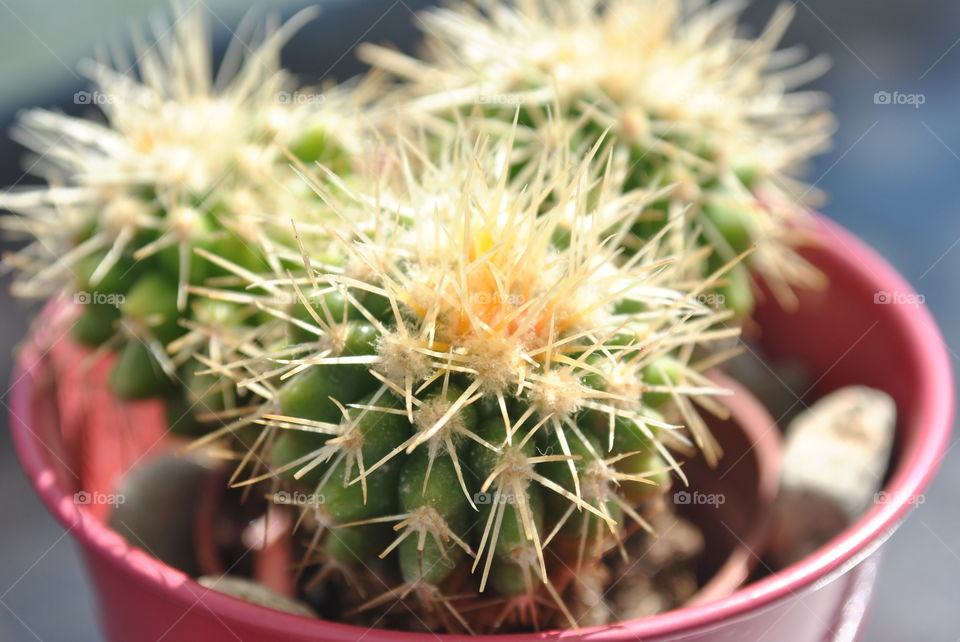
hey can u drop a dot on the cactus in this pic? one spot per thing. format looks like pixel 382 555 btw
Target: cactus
pixel 687 102
pixel 489 392
pixel 184 178
pixel 470 345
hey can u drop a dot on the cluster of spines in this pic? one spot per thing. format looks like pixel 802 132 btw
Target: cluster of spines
pixel 187 173
pixel 483 385
pixel 683 99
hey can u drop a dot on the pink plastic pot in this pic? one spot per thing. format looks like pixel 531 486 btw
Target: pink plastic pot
pixel 841 334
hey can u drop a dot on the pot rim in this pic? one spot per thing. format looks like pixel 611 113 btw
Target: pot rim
pixel 911 477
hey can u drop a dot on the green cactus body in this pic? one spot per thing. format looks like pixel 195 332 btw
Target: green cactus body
pixel 486 397
pixel 137 373
pixel 96 323
pixel 437 515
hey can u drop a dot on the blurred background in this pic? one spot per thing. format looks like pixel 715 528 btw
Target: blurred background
pixel 892 178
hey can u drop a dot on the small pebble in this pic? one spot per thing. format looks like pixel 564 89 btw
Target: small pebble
pixel 835 457
pixel 245 589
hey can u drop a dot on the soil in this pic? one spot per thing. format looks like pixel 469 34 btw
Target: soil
pixel 652 574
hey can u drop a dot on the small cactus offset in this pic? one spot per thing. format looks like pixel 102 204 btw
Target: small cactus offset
pixel 498 398
pixel 687 103
pixel 188 173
